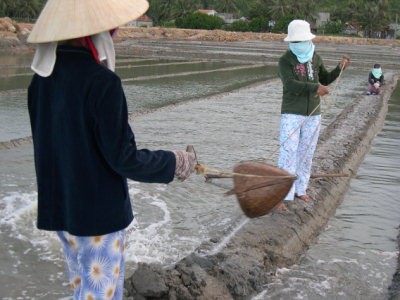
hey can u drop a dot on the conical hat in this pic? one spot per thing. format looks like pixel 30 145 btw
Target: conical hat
pixel 68 19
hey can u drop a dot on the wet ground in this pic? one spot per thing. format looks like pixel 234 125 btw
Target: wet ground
pixel 172 221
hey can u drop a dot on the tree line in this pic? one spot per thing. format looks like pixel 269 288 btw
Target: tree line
pixel 21 9
pixel 372 15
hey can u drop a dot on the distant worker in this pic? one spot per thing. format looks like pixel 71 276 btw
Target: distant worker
pixel 304 79
pixel 375 80
pixel 84 147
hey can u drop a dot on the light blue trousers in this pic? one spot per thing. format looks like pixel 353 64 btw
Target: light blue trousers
pixel 298 139
pixel 95 265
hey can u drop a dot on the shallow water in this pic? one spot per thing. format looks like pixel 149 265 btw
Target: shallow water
pixel 356 256
pixel 141 94
pixel 171 221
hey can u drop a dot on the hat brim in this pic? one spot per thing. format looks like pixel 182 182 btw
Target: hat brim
pixel 302 38
pixel 68 19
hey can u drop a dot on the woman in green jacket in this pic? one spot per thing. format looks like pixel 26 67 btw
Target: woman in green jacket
pixel 304 79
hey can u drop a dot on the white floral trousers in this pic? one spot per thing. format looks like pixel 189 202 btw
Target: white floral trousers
pixel 298 139
pixel 95 265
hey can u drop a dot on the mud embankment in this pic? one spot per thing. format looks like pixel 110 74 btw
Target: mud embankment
pixel 13 34
pixel 175 34
pixel 394 289
pixel 239 267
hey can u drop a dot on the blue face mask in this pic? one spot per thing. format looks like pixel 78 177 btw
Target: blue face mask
pixel 304 51
pixel 377 72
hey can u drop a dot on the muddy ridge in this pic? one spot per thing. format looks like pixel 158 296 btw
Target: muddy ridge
pixel 239 267
pixel 14 35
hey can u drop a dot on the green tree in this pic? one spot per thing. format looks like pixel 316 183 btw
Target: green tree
pixel 258 10
pixel 205 4
pixel 5 7
pixel 243 7
pixel 306 8
pixel 374 17
pixel 160 11
pixel 240 25
pixel 226 6
pixel 259 24
pixel 199 21
pixel 279 8
pixel 182 8
pixel 333 27
pixel 282 23
pixel 27 9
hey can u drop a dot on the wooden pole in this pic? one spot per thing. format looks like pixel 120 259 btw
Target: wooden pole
pixel 220 176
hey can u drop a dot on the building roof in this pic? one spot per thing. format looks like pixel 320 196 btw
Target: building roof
pixel 144 18
pixel 206 11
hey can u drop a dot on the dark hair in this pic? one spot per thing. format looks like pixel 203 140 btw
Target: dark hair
pixel 377 66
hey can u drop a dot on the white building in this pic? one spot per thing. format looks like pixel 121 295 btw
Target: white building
pixel 209 12
pixel 143 21
pixel 322 18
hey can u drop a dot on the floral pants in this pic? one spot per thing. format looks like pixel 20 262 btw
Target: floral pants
pixel 95 265
pixel 298 139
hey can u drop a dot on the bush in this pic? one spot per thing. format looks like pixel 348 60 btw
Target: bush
pixel 282 24
pixel 199 21
pixel 169 24
pixel 333 27
pixel 259 24
pixel 240 25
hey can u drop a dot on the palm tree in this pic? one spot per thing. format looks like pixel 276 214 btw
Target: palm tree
pixel 305 9
pixel 226 6
pixel 7 7
pixel 27 8
pixel 374 18
pixel 279 8
pixel 160 10
pixel 182 8
pixel 205 4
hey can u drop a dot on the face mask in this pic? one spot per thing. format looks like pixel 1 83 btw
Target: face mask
pixel 377 72
pixel 304 51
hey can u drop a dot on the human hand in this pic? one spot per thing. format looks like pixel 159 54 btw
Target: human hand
pixel 185 163
pixel 322 90
pixel 376 85
pixel 345 62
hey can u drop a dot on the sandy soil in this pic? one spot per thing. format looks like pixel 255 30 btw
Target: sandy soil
pixel 13 35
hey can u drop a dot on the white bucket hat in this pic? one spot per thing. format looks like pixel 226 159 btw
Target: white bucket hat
pixel 299 31
pixel 68 19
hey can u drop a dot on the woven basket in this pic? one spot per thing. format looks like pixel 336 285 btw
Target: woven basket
pixel 257 196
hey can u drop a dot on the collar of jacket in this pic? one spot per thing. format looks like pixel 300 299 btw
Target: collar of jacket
pixel 66 49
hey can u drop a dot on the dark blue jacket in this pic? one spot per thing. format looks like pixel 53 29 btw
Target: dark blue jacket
pixel 85 149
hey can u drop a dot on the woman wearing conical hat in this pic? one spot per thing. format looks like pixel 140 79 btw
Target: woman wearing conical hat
pixel 84 147
pixel 304 79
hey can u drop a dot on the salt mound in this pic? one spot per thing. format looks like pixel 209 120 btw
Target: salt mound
pixel 11 33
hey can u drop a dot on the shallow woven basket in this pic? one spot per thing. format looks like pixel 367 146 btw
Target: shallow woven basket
pixel 257 196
